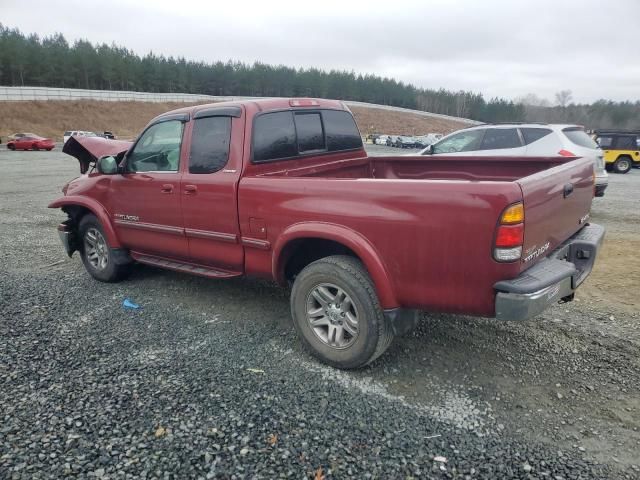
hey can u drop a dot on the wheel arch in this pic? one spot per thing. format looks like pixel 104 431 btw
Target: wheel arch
pixel 77 207
pixel 333 240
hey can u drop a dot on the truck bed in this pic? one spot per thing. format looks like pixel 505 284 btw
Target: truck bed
pixel 432 220
pixel 505 169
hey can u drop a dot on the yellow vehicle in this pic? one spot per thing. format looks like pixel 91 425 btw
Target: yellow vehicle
pixel 621 149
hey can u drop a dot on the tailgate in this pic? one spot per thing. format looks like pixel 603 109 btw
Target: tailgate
pixel 556 204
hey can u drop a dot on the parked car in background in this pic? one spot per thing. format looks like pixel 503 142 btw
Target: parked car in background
pixel 108 135
pixel 73 133
pixel 391 140
pixel 31 142
pixel 16 136
pixel 428 139
pixel 621 149
pixel 381 140
pixel 524 140
pixel 405 141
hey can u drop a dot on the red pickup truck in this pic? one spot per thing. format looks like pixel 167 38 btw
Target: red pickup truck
pixel 283 189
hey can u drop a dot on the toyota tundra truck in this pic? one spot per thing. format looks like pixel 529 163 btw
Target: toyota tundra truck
pixel 282 189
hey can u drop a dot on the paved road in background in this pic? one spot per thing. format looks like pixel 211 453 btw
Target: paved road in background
pixel 207 380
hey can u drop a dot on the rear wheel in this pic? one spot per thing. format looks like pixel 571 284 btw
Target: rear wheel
pixel 337 314
pixel 11 147
pixel 96 254
pixel 622 164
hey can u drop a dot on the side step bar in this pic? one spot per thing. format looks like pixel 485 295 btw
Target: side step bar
pixel 185 267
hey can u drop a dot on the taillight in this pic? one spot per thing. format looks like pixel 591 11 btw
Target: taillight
pixel 566 153
pixel 510 234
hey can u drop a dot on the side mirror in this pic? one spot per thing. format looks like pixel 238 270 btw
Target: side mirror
pixel 107 165
pixel 429 150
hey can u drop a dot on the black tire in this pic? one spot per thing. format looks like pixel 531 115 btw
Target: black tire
pixel 110 271
pixel 622 164
pixel 34 147
pixel 11 147
pixel 348 274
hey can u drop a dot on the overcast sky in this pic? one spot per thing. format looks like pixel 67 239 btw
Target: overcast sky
pixel 499 48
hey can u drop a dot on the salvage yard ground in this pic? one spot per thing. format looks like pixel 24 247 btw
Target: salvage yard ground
pixel 208 379
pixel 126 119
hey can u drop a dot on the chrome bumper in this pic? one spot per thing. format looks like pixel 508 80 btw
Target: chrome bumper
pixel 553 279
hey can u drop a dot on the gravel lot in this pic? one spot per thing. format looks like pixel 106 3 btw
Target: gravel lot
pixel 208 380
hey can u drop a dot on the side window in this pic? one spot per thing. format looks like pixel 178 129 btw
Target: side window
pixel 341 130
pixel 626 143
pixel 274 137
pixel 500 138
pixel 460 142
pixel 309 131
pixel 605 142
pixel 531 135
pixel 209 144
pixel 158 150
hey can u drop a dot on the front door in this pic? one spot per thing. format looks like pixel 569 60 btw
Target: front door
pixel 146 197
pixel 209 191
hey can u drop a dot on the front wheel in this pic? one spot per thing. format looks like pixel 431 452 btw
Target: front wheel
pixel 11 147
pixel 622 165
pixel 96 254
pixel 34 147
pixel 337 314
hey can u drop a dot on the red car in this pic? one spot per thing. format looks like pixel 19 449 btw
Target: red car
pixel 283 189
pixel 31 142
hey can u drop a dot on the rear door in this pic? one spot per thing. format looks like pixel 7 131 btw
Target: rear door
pixel 556 205
pixel 209 189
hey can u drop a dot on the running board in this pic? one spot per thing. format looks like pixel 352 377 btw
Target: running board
pixel 185 267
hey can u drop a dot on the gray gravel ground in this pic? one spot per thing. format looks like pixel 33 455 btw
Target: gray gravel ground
pixel 208 380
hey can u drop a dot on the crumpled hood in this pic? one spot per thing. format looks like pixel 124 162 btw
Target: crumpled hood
pixel 89 149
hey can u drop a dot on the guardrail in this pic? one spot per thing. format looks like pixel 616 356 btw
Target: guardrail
pixel 17 94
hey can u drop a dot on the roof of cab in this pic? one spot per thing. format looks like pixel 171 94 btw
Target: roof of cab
pixel 260 104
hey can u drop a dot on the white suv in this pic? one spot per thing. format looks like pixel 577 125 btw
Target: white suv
pixel 524 140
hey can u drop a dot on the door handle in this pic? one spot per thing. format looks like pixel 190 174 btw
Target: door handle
pixel 167 188
pixel 568 190
pixel 190 189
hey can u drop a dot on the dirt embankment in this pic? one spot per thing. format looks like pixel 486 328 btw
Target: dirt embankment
pixel 51 119
pixel 126 119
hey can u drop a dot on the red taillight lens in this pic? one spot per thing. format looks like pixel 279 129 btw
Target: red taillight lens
pixel 510 236
pixel 566 153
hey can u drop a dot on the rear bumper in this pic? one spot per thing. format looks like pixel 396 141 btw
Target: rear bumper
pixel 551 280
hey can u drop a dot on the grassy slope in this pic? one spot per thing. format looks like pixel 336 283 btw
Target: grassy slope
pixel 126 119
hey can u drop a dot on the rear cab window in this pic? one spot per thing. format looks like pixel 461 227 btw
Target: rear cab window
pixel 579 137
pixel 290 134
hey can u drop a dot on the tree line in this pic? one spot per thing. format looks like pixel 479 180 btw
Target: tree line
pixel 29 60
